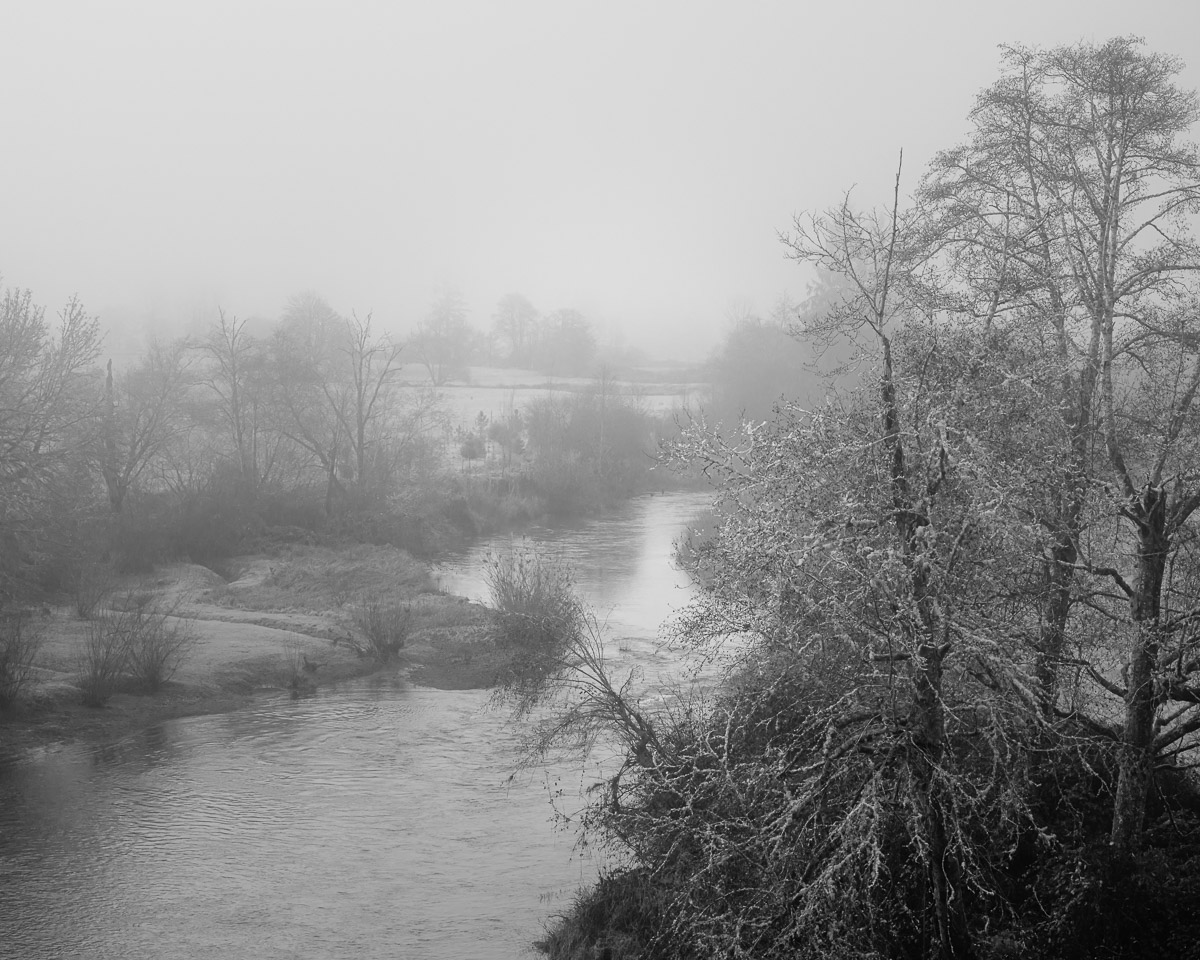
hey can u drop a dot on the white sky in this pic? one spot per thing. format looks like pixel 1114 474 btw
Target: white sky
pixel 635 160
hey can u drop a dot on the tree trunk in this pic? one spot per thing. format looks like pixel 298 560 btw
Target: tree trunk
pixel 1136 758
pixel 109 466
pixel 945 872
pixel 1056 609
pixel 333 486
pixel 1064 552
pixel 928 722
pixel 1136 764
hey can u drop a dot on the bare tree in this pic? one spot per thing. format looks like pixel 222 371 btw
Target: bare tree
pixel 514 325
pixel 44 408
pixel 236 377
pixel 1063 222
pixel 142 415
pixel 868 251
pixel 47 416
pixel 314 398
pixel 373 366
pixel 442 342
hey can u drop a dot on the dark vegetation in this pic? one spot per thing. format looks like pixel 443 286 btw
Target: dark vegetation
pixel 959 598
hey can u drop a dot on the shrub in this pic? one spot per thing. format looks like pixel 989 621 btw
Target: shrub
pixel 472 448
pixel 535 597
pixel 137 638
pixel 101 663
pixel 385 624
pixel 618 917
pixel 212 523
pixel 541 623
pixel 298 671
pixel 302 507
pixel 91 585
pixel 389 527
pixel 19 643
pixel 156 639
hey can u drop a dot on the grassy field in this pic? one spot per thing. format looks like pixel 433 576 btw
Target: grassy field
pixel 497 391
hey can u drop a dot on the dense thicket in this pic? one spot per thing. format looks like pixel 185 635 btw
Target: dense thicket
pixel 960 601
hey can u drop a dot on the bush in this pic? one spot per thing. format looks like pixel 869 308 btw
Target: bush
pixel 618 917
pixel 203 524
pixel 302 508
pixel 141 535
pixel 385 624
pixel 540 622
pixel 101 664
pixel 156 639
pixel 19 643
pixel 472 448
pixel 535 597
pixel 138 638
pixel 90 586
pixel 299 673
pixel 213 522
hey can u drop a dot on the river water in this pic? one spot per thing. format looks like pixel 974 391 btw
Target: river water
pixel 376 819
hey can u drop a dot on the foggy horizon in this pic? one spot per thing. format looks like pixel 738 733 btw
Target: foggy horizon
pixel 634 163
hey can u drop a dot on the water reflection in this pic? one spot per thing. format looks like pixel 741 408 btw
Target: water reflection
pixel 622 562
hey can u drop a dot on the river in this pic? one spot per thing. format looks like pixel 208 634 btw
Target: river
pixel 376 819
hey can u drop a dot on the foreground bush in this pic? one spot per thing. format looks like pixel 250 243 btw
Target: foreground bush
pixel 100 665
pixel 616 918
pixel 534 595
pixel 385 624
pixel 156 640
pixel 19 643
pixel 539 619
pixel 138 640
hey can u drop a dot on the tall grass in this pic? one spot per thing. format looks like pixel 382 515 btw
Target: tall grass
pixel 385 624
pixel 539 618
pixel 534 595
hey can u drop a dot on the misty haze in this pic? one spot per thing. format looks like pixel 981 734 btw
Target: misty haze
pixel 600 480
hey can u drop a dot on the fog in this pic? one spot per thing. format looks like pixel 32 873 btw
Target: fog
pixel 633 161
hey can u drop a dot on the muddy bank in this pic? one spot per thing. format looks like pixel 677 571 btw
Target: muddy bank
pixel 283 625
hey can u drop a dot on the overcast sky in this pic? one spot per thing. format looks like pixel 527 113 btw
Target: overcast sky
pixel 634 160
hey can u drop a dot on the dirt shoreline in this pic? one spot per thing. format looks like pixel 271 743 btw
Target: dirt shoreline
pixel 283 626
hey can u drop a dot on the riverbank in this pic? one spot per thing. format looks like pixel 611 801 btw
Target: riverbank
pixel 280 624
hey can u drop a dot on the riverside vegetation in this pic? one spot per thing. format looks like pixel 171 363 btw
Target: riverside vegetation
pixel 248 445
pixel 956 601
pixel 187 641
pixel 956 604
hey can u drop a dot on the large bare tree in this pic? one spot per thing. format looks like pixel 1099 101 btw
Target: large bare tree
pixel 1063 222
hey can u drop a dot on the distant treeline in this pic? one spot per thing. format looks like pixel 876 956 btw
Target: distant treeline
pixel 310 425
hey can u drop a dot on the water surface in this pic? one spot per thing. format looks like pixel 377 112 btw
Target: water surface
pixel 377 819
